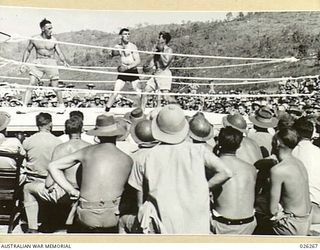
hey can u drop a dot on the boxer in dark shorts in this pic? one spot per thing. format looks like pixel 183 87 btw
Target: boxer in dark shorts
pixel 130 59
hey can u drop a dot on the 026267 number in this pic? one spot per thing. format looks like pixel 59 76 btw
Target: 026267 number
pixel 309 245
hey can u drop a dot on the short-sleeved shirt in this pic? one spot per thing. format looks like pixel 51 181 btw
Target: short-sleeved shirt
pixel 174 176
pixel 39 148
pixel 309 154
pixel 10 145
pixel 263 139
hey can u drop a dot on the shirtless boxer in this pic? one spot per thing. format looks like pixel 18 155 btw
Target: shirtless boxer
pixel 161 63
pixel 129 62
pixel 45 54
pixel 105 171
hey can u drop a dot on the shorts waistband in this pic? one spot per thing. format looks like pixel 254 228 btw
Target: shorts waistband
pixel 290 214
pixel 99 204
pixel 227 221
pixel 45 58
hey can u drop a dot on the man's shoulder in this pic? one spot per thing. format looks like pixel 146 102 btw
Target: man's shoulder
pixel 35 37
pixel 167 49
pixel 132 45
pixel 281 168
pixel 71 146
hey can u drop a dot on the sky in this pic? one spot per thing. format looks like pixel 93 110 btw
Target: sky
pixel 25 21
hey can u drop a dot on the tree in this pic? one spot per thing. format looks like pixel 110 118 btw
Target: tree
pixel 229 16
pixel 240 16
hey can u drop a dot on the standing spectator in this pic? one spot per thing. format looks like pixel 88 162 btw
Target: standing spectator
pixel 183 205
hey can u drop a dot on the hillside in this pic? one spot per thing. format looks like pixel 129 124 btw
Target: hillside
pixel 274 34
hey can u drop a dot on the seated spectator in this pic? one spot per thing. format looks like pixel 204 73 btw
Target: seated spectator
pixel 249 150
pixel 84 136
pixel 262 121
pixel 50 191
pixel 233 206
pixel 39 148
pixel 8 144
pixel 289 187
pixel 105 171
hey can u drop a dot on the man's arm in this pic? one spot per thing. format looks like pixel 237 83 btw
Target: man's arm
pixel 275 190
pixel 221 171
pixel 26 55
pixel 115 52
pixel 61 55
pixel 55 155
pixel 56 170
pixel 27 51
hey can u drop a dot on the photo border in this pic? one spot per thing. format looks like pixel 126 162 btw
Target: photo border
pixel 166 5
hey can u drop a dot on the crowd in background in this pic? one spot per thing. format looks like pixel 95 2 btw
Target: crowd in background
pixel 10 97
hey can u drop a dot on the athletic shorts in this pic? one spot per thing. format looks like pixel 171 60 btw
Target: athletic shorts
pixel 38 189
pixel 100 214
pixel 159 82
pixel 290 224
pixel 39 71
pixel 129 78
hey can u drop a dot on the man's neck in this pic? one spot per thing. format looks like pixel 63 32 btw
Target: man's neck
pixel 285 154
pixel 44 129
pixel 233 154
pixel 124 43
pixel 74 136
pixel 43 35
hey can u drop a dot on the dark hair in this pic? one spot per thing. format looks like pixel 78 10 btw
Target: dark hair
pixel 76 113
pixel 304 127
pixel 43 119
pixel 123 30
pixel 44 22
pixel 229 139
pixel 288 136
pixel 166 36
pixel 73 125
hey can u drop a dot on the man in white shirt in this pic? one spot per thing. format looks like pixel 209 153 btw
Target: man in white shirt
pixel 309 154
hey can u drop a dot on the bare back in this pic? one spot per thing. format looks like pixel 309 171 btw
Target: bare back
pixel 105 172
pixel 236 200
pixel 67 148
pixel 293 178
pixel 44 49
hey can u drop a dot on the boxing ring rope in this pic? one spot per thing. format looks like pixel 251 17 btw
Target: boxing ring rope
pixel 190 68
pixel 145 75
pixel 18 38
pixel 160 93
pixel 112 81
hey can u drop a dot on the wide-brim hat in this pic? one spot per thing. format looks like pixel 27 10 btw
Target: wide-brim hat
pixel 135 115
pixel 135 137
pixel 235 121
pixel 5 118
pixel 170 125
pixel 264 118
pixel 106 126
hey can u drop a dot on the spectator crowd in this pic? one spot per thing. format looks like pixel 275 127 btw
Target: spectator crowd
pixel 165 172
